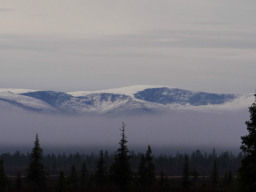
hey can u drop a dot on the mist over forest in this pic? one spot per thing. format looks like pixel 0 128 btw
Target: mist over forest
pixel 177 131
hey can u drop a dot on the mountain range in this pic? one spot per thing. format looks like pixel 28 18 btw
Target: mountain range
pixel 138 99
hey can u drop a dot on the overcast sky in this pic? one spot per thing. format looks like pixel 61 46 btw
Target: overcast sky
pixel 71 45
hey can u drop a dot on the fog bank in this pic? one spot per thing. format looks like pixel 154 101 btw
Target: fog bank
pixel 175 131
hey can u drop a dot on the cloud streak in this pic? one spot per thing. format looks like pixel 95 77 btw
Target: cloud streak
pixel 220 39
pixel 5 10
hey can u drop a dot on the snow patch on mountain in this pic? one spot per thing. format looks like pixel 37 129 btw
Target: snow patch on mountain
pixel 16 91
pixel 129 91
pixel 24 101
pixel 240 102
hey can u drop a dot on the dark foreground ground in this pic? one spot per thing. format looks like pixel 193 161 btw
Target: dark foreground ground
pixel 162 183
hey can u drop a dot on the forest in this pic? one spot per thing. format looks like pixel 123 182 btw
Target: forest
pixel 168 168
pixel 92 172
pixel 170 164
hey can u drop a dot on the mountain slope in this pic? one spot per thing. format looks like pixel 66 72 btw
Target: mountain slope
pixel 127 100
pixel 165 96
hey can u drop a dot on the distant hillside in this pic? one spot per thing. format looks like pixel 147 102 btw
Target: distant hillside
pixel 128 100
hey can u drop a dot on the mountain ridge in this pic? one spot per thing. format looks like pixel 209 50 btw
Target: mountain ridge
pixel 126 100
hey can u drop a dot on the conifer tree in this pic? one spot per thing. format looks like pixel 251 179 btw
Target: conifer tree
pixel 101 172
pixel 150 166
pixel 3 177
pixel 195 175
pixel 228 177
pixel 141 170
pixel 83 176
pixel 18 181
pixel 247 171
pixel 120 170
pixel 161 181
pixel 73 178
pixel 185 173
pixel 147 169
pixel 61 184
pixel 36 174
pixel 215 174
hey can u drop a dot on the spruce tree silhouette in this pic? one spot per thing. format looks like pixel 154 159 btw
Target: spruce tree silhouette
pixel 247 171
pixel 61 183
pixel 18 181
pixel 83 176
pixel 3 177
pixel 120 170
pixel 73 178
pixel 147 169
pixel 185 173
pixel 101 171
pixel 215 174
pixel 36 174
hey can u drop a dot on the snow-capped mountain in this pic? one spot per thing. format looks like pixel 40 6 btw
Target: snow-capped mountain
pixel 127 100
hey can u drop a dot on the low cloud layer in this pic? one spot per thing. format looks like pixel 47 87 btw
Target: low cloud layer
pixel 165 133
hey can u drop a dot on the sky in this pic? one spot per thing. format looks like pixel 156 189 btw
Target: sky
pixel 91 45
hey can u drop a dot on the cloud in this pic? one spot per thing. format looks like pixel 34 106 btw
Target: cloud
pixel 139 44
pixel 5 10
pixel 197 60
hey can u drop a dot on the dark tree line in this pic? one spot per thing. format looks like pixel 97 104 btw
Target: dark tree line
pixel 121 171
pixel 171 164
